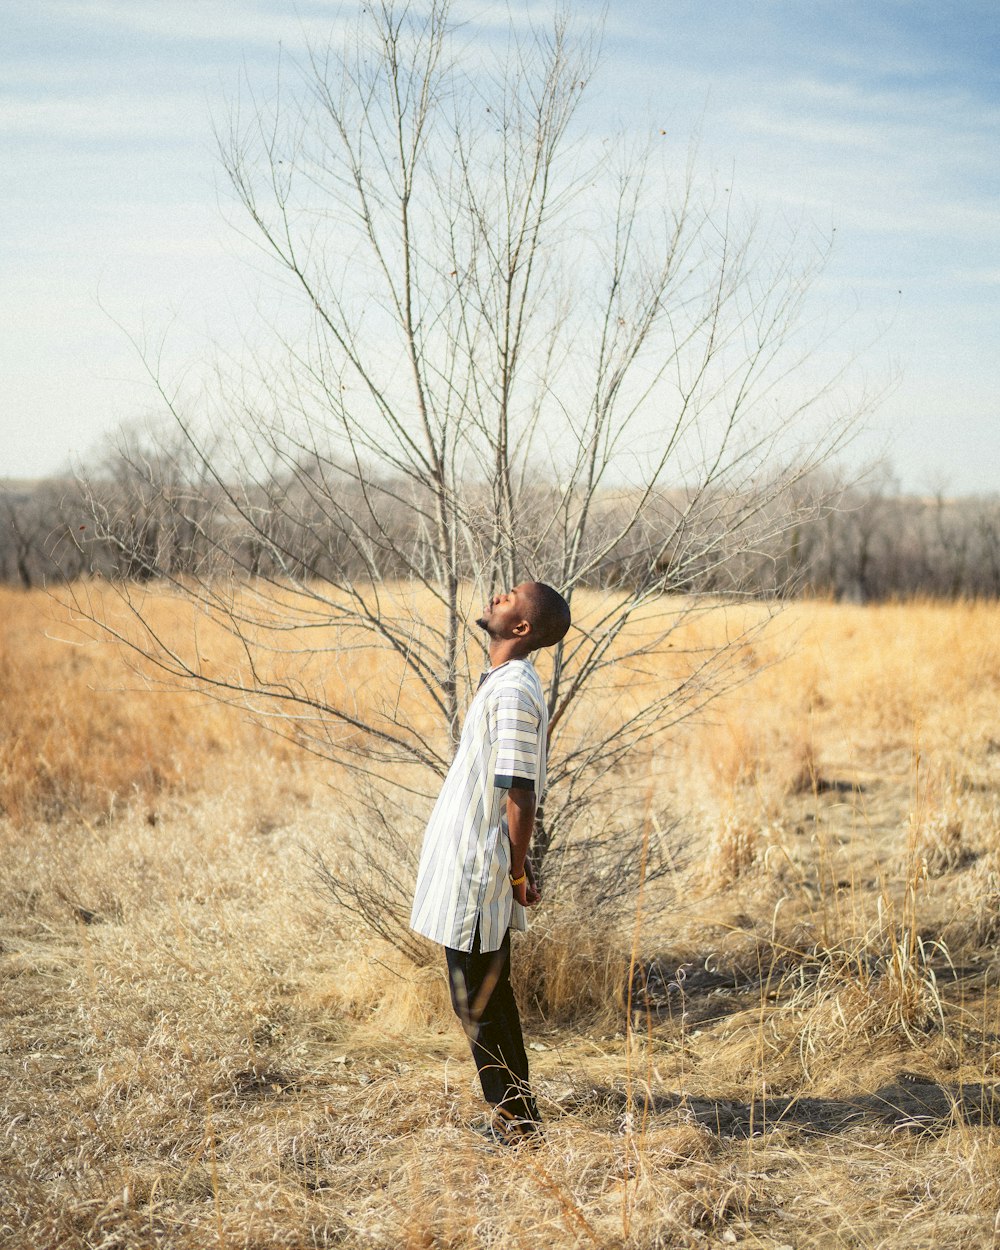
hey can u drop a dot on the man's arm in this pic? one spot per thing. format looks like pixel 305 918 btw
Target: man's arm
pixel 520 824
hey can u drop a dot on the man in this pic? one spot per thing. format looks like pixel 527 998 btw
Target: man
pixel 475 879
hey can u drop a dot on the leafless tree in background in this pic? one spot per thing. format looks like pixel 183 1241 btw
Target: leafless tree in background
pixel 41 527
pixel 517 352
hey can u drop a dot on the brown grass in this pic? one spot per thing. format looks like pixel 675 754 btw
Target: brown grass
pixel 194 1052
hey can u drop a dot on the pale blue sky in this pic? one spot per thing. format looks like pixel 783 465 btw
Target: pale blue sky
pixel 880 119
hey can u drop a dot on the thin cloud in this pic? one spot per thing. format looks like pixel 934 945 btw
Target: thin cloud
pixel 195 20
pixel 985 276
pixel 99 117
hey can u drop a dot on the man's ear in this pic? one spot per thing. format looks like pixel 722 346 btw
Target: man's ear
pixel 522 629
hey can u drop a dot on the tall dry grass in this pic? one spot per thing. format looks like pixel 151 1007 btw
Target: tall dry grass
pixel 196 1052
pixel 84 730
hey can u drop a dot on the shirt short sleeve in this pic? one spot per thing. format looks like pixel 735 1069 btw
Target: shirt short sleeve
pixel 515 725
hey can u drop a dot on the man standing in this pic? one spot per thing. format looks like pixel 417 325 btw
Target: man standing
pixel 475 879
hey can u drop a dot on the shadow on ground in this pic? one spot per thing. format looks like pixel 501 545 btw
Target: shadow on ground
pixel 693 993
pixel 910 1102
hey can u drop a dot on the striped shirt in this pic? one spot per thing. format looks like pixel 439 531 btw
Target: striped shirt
pixel 463 878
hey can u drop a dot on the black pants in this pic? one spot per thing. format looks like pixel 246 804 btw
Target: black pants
pixel 484 1002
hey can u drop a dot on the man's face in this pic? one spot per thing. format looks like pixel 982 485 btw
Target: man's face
pixel 505 612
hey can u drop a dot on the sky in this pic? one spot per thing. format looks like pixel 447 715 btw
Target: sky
pixel 876 121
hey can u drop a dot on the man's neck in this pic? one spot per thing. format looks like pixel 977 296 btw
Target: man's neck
pixel 503 650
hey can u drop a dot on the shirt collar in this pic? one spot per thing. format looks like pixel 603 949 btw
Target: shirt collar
pixel 497 667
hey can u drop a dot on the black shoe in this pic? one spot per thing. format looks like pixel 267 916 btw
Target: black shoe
pixel 508 1134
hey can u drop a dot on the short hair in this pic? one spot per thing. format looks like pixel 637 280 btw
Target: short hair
pixel 548 614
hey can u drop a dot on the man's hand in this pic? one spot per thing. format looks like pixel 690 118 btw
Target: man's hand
pixel 533 893
pixel 527 893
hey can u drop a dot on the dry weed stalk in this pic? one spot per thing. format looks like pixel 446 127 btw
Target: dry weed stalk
pixel 939 841
pixel 882 983
pixel 976 918
pixel 735 850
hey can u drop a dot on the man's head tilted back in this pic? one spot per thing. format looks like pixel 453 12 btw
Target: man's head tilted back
pixel 532 612
pixel 548 613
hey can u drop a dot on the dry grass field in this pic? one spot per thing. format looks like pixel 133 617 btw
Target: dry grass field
pixel 197 1051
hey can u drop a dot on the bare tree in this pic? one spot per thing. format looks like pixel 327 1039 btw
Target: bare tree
pixel 523 353
pixel 25 527
pixel 156 506
pixel 41 527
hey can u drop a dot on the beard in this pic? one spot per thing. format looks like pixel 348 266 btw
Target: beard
pixel 484 623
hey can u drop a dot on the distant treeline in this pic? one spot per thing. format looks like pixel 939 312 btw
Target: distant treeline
pixel 853 543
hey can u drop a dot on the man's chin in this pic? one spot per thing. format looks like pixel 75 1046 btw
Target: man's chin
pixel 483 623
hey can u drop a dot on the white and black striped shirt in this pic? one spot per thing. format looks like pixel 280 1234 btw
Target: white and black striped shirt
pixel 463 878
